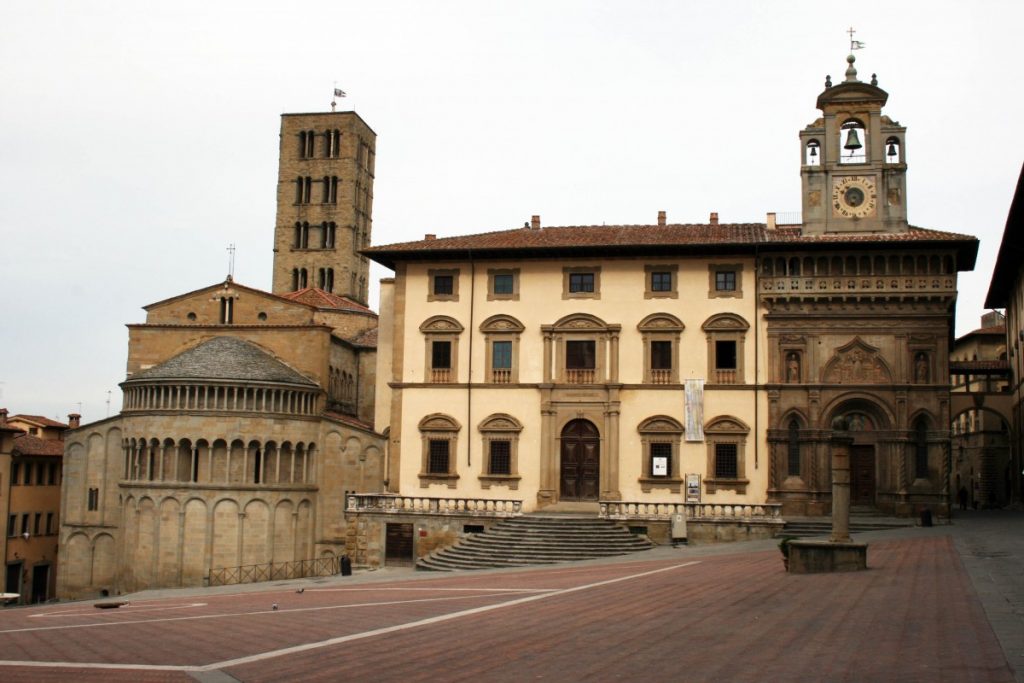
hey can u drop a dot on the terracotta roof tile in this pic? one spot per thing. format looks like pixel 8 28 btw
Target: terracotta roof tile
pixel 26 444
pixel 366 338
pixel 39 420
pixel 683 237
pixel 348 419
pixel 318 298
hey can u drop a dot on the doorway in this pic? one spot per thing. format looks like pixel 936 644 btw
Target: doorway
pixel 862 475
pixel 398 545
pixel 12 583
pixel 581 462
pixel 40 582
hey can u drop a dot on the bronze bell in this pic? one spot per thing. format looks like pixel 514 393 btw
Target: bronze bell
pixel 892 149
pixel 814 150
pixel 852 140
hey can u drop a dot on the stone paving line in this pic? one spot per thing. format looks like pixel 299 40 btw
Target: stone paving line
pixel 982 593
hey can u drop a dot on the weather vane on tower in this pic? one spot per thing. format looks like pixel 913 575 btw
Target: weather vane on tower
pixel 854 44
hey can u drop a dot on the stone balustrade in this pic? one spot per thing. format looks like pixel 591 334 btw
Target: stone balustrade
pixel 424 505
pixel 859 284
pixel 759 512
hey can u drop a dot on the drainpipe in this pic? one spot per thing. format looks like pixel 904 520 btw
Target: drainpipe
pixel 469 378
pixel 757 357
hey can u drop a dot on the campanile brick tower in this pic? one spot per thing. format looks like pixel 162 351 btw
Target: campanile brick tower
pixel 324 203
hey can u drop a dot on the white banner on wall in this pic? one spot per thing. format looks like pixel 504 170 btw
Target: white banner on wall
pixel 694 409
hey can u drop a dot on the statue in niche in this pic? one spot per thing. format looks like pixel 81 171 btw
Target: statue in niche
pixel 793 368
pixel 921 369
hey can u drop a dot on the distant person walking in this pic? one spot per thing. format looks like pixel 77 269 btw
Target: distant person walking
pixel 962 496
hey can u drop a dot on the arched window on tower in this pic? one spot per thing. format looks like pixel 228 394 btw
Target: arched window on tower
pixel 297 242
pixel 331 229
pixel 330 280
pixel 321 278
pixel 303 278
pixel 793 449
pixel 892 150
pixel 295 279
pixel 333 197
pixel 334 145
pixel 853 142
pixel 921 449
pixel 812 153
pixel 310 139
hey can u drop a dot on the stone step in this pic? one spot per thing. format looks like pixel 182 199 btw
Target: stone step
pixel 528 540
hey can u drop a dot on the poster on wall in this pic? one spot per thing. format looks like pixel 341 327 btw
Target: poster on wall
pixel 693 409
pixel 692 488
pixel 659 466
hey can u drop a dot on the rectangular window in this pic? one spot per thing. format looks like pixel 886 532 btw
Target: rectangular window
pixel 725 281
pixel 27 481
pixel 49 524
pixel 437 460
pixel 15 474
pixel 661 459
pixel 501 457
pixel 94 494
pixel 580 355
pixel 661 355
pixel 581 282
pixel 12 525
pixel 40 474
pixel 725 355
pixel 53 479
pixel 661 281
pixel 441 355
pixel 36 523
pixel 444 285
pixel 726 465
pixel 24 523
pixel 501 357
pixel 503 283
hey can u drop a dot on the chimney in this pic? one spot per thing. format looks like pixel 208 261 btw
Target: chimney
pixel 770 222
pixel 3 416
pixel 535 222
pixel 429 236
pixel 74 420
pixel 661 218
pixel 714 218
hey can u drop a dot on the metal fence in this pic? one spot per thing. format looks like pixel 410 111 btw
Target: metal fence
pixel 275 571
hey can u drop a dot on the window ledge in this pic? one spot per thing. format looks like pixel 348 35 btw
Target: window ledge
pixel 427 478
pixel 510 480
pixel 673 484
pixel 737 485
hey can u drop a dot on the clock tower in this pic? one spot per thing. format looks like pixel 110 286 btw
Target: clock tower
pixel 853 161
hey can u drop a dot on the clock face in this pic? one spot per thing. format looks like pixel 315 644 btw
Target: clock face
pixel 854 197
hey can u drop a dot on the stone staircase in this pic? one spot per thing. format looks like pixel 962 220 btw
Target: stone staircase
pixel 536 539
pixel 860 520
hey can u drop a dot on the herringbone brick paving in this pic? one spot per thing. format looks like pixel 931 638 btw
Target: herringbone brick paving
pixel 913 616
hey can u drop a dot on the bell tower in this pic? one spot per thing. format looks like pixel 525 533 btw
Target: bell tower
pixel 853 161
pixel 324 204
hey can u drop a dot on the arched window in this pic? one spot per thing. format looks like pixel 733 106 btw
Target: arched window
pixel 660 436
pixel 793 448
pixel 440 440
pixel 501 336
pixel 726 438
pixel 441 334
pixel 330 280
pixel 500 434
pixel 921 449
pixel 853 142
pixel 892 150
pixel 812 153
pixel 726 333
pixel 660 333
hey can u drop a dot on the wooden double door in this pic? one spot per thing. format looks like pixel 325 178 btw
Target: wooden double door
pixel 580 462
pixel 862 475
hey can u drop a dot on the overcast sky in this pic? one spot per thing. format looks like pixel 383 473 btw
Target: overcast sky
pixel 138 139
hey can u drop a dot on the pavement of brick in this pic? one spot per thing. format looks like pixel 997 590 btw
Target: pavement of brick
pixel 712 613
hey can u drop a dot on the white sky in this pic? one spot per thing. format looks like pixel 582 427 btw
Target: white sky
pixel 137 139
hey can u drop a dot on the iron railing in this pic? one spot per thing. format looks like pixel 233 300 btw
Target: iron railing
pixel 274 571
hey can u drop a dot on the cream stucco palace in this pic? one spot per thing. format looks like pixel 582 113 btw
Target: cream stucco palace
pixel 615 365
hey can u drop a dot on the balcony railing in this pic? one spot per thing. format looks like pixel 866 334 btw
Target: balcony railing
pixel 274 571
pixel 580 375
pixel 501 376
pixel 394 504
pixel 754 512
pixel 441 375
pixel 661 377
pixel 873 285
pixel 726 377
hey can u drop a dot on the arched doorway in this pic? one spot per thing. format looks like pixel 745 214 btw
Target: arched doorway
pixel 865 419
pixel 581 458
